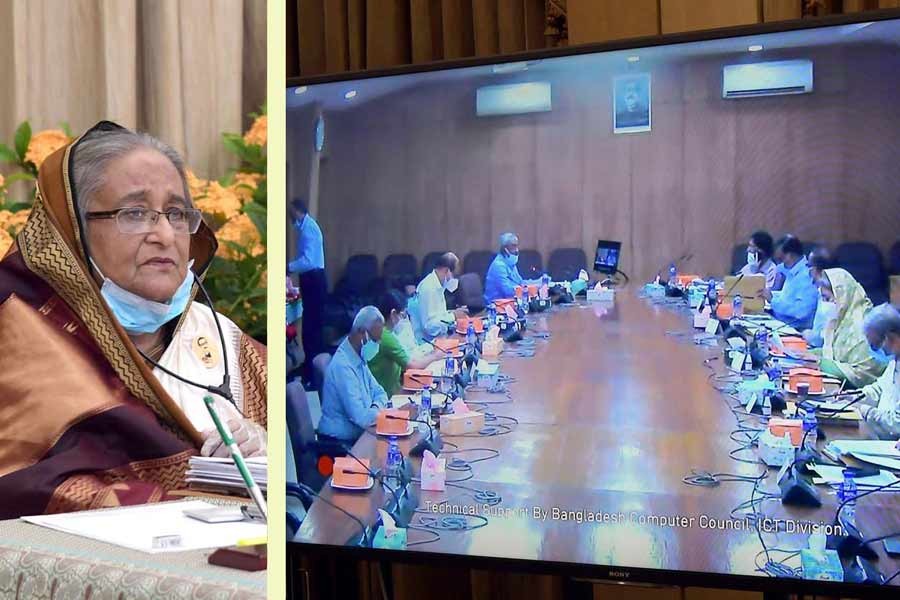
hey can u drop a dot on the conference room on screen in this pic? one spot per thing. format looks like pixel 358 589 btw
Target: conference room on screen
pixel 626 308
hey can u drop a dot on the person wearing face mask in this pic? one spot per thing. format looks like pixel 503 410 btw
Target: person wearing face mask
pixel 309 264
pixel 433 319
pixel 106 352
pixel 819 259
pixel 351 397
pixel 845 351
pixel 880 406
pixel 393 358
pixel 503 275
pixel 796 303
pixel 759 258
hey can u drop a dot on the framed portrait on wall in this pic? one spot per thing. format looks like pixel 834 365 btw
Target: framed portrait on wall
pixel 631 103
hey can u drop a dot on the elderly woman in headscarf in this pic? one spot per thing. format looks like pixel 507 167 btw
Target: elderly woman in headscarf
pixel 845 351
pixel 106 353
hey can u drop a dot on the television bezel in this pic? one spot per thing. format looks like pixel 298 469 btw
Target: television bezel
pixel 596 572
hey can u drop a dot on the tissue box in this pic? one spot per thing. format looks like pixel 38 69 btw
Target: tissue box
pixel 395 542
pixel 601 295
pixel 778 427
pixel 774 451
pixel 385 426
pixel 824 565
pixel 434 480
pixel 492 347
pixel 460 423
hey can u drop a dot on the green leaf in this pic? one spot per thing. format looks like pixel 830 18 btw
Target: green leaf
pixel 8 155
pixel 17 206
pixel 21 138
pixel 19 177
pixel 65 127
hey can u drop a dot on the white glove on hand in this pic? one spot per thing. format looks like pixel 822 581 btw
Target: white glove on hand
pixel 250 438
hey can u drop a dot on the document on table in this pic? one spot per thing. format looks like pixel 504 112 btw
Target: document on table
pixel 152 528
pixel 877 452
pixel 831 475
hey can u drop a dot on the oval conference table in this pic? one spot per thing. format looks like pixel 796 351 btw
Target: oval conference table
pixel 614 410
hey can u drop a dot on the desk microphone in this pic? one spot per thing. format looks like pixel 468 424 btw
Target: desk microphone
pixel 400 511
pixel 432 443
pixel 853 544
pixel 305 493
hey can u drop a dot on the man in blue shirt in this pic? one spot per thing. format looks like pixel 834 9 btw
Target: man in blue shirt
pixel 351 397
pixel 309 263
pixel 503 274
pixel 796 303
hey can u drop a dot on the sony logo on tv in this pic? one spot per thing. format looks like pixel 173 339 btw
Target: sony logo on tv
pixel 620 574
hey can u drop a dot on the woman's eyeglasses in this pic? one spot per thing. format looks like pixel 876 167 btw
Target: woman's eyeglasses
pixel 136 219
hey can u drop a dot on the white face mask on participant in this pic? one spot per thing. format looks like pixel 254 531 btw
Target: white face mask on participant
pixel 451 284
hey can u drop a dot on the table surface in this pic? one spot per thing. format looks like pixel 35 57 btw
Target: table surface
pixel 614 410
pixel 37 562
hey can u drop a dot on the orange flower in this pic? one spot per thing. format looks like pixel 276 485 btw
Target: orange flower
pixel 2 180
pixel 44 144
pixel 5 242
pixel 196 186
pixel 220 200
pixel 242 232
pixel 257 133
pixel 244 184
pixel 13 220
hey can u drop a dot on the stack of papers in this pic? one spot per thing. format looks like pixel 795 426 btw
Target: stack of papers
pixel 152 528
pixel 883 453
pixel 833 475
pixel 221 475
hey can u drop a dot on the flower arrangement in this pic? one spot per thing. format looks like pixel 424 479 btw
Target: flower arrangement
pixel 234 207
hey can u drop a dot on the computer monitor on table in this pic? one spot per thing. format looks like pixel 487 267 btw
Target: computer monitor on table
pixel 606 259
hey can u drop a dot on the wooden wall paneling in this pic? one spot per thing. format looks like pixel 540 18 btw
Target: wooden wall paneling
pixel 783 10
pixel 852 6
pixel 709 160
pixel 511 21
pixel 457 28
pixel 513 183
pixel 559 175
pixel 612 591
pixel 337 47
pixel 591 21
pixel 291 39
pixel 356 34
pixel 692 15
pixel 535 24
pixel 657 177
pixel 692 593
pixel 311 36
pixel 441 582
pixel 425 28
pixel 888 3
pixel 486 28
pixel 492 585
pixel 607 201
pixel 387 33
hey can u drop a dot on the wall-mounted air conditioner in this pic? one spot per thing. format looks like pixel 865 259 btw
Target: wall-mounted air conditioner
pixel 776 78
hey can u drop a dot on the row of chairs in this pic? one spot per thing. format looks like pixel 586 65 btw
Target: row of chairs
pixel 863 260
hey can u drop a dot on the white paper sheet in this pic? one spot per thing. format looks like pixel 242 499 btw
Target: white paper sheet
pixel 136 527
pixel 832 474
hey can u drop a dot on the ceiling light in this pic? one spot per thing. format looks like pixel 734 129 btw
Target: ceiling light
pixel 634 59
pixel 300 90
pixel 350 95
pixel 755 48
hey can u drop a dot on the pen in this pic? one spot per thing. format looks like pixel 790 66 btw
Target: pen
pixel 257 541
pixel 238 458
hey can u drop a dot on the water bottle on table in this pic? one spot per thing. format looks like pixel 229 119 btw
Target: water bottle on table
pixel 425 410
pixel 810 429
pixel 492 314
pixel 392 462
pixel 470 335
pixel 545 286
pixel 847 495
pixel 737 306
pixel 447 379
pixel 673 275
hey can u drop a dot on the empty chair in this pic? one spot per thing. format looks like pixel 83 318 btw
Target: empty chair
pixel 320 365
pixel 895 259
pixel 360 273
pixel 470 292
pixel 312 457
pixel 738 258
pixel 478 262
pixel 531 265
pixel 565 263
pixel 399 270
pixel 810 246
pixel 428 263
pixel 865 262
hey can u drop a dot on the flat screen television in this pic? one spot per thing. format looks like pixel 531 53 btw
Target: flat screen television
pixel 615 440
pixel 606 258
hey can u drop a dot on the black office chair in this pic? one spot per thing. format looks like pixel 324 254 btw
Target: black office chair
pixel 738 258
pixel 314 458
pixel 470 293
pixel 895 259
pixel 429 262
pixel 531 265
pixel 320 364
pixel 565 263
pixel 399 270
pixel 478 262
pixel 865 262
pixel 360 273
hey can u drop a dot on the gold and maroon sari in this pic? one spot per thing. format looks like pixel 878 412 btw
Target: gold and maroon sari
pixel 84 422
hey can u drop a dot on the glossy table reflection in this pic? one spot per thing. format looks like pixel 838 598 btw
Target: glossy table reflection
pixel 614 409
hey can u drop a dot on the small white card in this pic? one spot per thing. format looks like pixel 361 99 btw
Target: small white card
pixel 737 361
pixel 712 326
pixel 788 461
pixel 752 402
